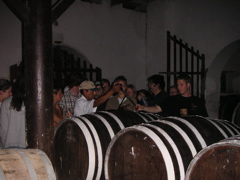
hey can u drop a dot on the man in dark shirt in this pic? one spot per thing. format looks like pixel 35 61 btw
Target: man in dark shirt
pixel 180 105
pixel 156 85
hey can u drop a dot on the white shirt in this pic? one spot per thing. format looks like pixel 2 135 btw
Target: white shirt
pixel 83 106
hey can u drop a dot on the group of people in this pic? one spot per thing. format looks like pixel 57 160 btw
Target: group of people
pixel 100 95
pixel 83 97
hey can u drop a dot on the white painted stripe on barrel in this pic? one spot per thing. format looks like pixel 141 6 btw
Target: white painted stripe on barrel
pixel 98 144
pixel 106 123
pixel 183 134
pixel 231 125
pixel 219 128
pixel 116 118
pixel 174 147
pixel 91 149
pixel 2 175
pixel 147 114
pixel 139 114
pixel 229 130
pixel 48 164
pixel 162 148
pixel 196 132
pixel 28 163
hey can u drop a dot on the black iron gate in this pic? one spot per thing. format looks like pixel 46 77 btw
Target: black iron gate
pixel 183 58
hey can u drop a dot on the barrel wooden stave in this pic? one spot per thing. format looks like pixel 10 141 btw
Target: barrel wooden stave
pixel 92 134
pixel 218 161
pixel 24 164
pixel 207 133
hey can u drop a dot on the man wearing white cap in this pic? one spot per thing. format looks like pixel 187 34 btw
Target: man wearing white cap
pixel 86 103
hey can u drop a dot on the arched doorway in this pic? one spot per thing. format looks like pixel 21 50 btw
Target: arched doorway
pixel 226 66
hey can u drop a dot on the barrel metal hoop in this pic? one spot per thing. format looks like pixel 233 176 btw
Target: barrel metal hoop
pixel 108 126
pixel 90 144
pixel 162 148
pixel 196 132
pixel 27 161
pixel 48 165
pixel 116 118
pixel 174 147
pixel 98 144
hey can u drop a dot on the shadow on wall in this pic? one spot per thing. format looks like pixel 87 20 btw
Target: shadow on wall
pixel 226 58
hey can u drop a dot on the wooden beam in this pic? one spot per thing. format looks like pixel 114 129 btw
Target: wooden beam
pixel 59 8
pixel 18 8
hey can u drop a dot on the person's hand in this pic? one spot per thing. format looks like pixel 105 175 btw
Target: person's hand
pixel 139 107
pixel 69 113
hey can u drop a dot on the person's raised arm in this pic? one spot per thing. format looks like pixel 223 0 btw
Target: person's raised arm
pixel 115 88
pixel 151 109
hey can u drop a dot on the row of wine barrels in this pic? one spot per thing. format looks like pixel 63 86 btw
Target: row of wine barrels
pixel 25 164
pixel 220 160
pixel 80 143
pixel 228 107
pixel 162 149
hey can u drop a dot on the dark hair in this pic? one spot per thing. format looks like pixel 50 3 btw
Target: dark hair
pixel 120 78
pixel 173 86
pixel 157 79
pixel 131 86
pixel 75 81
pixel 185 77
pixel 56 87
pixel 18 94
pixel 144 91
pixel 5 84
pixel 105 80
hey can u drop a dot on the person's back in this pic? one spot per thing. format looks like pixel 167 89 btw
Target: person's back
pixel 12 118
pixel 12 125
pixel 5 90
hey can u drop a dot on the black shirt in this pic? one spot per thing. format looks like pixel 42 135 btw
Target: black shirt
pixel 157 99
pixel 182 106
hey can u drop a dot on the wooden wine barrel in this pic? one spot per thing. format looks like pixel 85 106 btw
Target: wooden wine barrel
pixel 80 143
pixel 218 161
pixel 236 115
pixel 162 149
pixel 25 164
pixel 227 106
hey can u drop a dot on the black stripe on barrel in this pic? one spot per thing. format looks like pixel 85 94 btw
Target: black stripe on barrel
pixel 80 143
pixel 218 161
pixel 160 149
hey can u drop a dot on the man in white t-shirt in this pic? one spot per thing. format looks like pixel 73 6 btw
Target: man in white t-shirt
pixel 86 103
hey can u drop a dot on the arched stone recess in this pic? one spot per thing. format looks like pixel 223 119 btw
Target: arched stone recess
pixel 213 82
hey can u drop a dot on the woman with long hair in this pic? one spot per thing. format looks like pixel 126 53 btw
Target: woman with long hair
pixel 12 118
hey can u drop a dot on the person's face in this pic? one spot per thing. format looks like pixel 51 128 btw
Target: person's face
pixel 152 86
pixel 130 92
pixel 183 87
pixel 106 87
pixel 5 94
pixel 123 83
pixel 140 95
pixel 173 91
pixel 58 97
pixel 100 90
pixel 89 94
